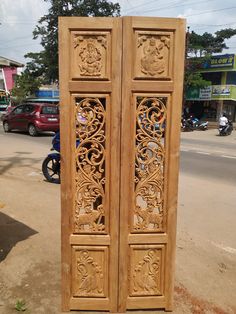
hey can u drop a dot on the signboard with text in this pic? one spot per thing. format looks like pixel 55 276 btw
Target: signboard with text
pixel 220 61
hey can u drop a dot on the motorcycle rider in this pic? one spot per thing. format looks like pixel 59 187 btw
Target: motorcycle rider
pixel 223 121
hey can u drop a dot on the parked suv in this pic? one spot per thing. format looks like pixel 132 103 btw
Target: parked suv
pixel 33 117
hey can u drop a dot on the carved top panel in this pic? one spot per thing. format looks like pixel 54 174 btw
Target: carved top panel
pixel 90 55
pixel 153 55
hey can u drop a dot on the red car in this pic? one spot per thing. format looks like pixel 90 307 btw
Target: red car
pixel 32 117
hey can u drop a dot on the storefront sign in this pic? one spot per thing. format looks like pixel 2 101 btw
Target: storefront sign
pixel 220 90
pixel 205 93
pixel 220 61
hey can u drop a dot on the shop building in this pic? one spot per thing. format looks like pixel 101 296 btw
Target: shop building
pixel 220 97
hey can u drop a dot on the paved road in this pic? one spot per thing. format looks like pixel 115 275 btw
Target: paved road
pixel 211 157
pixel 30 230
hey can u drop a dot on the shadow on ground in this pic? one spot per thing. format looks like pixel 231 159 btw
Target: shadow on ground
pixel 11 232
pixel 19 160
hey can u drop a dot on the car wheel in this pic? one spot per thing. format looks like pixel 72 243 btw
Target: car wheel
pixel 32 130
pixel 6 127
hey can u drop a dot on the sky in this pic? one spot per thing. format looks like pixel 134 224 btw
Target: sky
pixel 18 19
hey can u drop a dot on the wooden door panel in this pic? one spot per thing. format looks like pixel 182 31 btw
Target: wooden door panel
pixel 151 104
pixel 90 114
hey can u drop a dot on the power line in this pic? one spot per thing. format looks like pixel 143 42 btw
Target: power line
pixel 141 5
pixel 176 6
pixel 209 11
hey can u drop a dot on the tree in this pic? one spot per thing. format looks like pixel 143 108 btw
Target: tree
pixel 199 49
pixel 25 85
pixel 43 66
pixel 45 63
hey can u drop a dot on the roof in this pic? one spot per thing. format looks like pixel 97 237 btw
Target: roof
pixel 8 62
pixel 43 100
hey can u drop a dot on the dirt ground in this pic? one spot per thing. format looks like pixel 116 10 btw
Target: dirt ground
pixel 30 238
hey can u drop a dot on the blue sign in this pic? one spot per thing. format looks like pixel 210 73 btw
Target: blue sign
pixel 220 61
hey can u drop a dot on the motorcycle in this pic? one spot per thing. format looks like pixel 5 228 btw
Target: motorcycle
pixel 191 124
pixel 51 164
pixel 226 130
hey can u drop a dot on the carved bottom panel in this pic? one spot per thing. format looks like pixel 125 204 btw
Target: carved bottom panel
pixel 146 270
pixel 90 271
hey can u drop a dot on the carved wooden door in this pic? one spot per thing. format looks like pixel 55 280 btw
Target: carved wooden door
pixel 120 89
pixel 151 107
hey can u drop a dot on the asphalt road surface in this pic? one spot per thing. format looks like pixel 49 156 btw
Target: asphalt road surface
pixel 206 235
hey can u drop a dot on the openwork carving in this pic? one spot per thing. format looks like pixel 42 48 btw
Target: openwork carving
pixel 90 165
pixel 149 164
pixel 153 54
pixel 146 275
pixel 89 275
pixel 91 54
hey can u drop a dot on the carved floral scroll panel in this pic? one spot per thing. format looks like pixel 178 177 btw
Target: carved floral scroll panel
pixel 90 55
pixel 153 55
pixel 90 214
pixel 90 271
pixel 150 153
pixel 146 270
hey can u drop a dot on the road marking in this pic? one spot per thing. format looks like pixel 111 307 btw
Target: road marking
pixel 226 156
pixel 225 248
pixel 184 150
pixel 204 153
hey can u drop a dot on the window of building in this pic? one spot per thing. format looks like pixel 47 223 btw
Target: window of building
pixel 231 78
pixel 214 77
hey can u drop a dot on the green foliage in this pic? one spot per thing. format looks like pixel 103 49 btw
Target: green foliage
pixel 199 50
pixel 25 85
pixel 43 66
pixel 20 306
pixel 45 63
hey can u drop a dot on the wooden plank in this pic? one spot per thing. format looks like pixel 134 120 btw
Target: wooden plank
pixel 146 86
pixel 66 186
pixel 147 238
pixel 114 164
pixel 86 87
pixel 89 239
pixel 127 149
pixel 141 303
pixel 173 163
pixel 88 304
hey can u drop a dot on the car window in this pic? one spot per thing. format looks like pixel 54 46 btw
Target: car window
pixel 18 110
pixel 28 108
pixel 49 110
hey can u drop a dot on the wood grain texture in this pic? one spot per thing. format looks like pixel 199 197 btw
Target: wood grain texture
pixel 121 82
pixel 153 50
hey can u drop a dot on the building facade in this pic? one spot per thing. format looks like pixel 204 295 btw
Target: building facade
pixel 8 71
pixel 220 97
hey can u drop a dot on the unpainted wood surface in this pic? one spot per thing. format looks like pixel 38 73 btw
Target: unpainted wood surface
pixel 121 85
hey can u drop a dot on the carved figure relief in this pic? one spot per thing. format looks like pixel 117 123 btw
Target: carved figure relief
pixel 149 164
pixel 153 54
pixel 89 275
pixel 90 118
pixel 91 55
pixel 146 274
